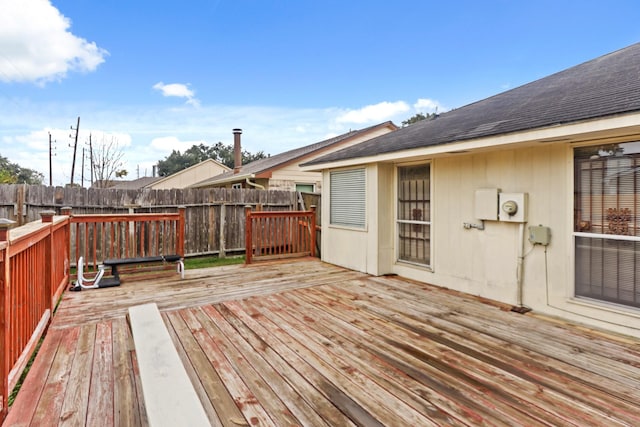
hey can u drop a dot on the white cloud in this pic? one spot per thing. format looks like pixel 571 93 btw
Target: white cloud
pixel 425 105
pixel 149 135
pixel 178 90
pixel 36 45
pixel 374 113
pixel 167 144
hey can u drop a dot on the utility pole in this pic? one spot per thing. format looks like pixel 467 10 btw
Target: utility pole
pixel 91 159
pixel 75 147
pixel 82 170
pixel 50 168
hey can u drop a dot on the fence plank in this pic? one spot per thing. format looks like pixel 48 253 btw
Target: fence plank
pixel 204 231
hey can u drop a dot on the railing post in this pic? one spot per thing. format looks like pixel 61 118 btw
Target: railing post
pixel 313 230
pixel 130 246
pixel 47 218
pixel 5 297
pixel 5 224
pixel 248 244
pixel 66 210
pixel 181 224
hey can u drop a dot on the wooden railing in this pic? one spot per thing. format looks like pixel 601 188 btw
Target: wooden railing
pixel 34 270
pixel 274 235
pixel 35 261
pixel 98 237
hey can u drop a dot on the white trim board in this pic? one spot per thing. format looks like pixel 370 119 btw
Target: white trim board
pixel 169 395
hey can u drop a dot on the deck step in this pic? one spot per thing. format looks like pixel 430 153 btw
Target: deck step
pixel 169 395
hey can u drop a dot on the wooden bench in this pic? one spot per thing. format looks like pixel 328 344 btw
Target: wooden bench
pixel 116 262
pixel 106 282
pixel 169 395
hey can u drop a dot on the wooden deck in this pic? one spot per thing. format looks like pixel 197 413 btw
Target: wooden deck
pixel 306 343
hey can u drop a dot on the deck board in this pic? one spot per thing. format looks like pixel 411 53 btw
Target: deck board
pixel 208 386
pixel 52 397
pixel 101 391
pixel 77 392
pixel 124 378
pixel 291 366
pixel 33 388
pixel 306 343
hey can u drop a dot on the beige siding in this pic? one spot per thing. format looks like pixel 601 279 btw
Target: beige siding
pixel 190 176
pixel 484 262
pixel 286 177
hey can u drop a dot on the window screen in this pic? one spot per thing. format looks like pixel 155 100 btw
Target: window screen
pixel 347 198
pixel 607 204
pixel 414 214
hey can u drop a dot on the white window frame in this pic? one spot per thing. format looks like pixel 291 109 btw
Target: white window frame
pixel 348 202
pixel 312 184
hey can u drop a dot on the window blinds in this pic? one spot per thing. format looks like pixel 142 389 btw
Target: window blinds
pixel 348 198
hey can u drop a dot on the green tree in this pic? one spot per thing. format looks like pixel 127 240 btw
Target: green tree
pixel 12 173
pixel 6 177
pixel 220 152
pixel 418 118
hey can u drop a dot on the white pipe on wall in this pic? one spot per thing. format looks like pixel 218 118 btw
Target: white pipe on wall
pixel 520 265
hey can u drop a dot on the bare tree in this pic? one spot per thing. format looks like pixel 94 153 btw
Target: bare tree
pixel 107 161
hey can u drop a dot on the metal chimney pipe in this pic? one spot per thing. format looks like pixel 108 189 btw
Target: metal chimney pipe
pixel 237 150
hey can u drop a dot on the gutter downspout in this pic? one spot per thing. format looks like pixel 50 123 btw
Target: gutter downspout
pixel 253 184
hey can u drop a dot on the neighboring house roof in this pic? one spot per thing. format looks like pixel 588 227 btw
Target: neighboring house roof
pixel 191 168
pixel 134 184
pixel 266 165
pixel 606 86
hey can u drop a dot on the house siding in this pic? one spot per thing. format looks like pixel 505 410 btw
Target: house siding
pixel 190 176
pixel 484 262
pixel 287 177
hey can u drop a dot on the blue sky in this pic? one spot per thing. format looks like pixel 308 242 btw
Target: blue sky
pixel 153 76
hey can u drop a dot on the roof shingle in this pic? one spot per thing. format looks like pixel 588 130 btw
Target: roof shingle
pixel 604 86
pixel 275 161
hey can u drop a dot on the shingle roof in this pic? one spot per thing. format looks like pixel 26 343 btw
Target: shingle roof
pixel 273 162
pixel 135 184
pixel 604 86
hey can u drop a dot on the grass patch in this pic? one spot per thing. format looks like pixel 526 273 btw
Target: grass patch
pixel 211 261
pixel 16 389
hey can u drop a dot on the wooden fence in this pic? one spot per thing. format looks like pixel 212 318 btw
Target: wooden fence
pixel 214 218
pixel 34 270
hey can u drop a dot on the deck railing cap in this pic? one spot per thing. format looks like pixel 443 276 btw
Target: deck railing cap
pixel 47 216
pixel 6 223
